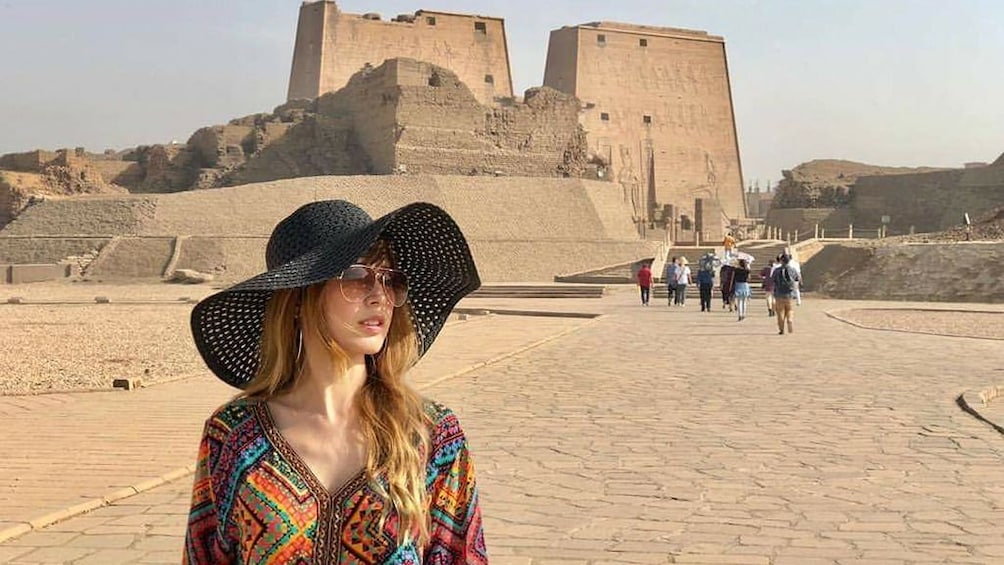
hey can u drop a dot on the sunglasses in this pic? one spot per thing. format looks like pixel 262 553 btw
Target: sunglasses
pixel 359 281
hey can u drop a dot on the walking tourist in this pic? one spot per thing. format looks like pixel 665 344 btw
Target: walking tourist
pixel 682 280
pixel 727 284
pixel 785 282
pixel 705 282
pixel 742 288
pixel 670 277
pixel 645 283
pixel 767 284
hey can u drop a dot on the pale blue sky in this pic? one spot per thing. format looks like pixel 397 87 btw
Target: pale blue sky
pixel 887 82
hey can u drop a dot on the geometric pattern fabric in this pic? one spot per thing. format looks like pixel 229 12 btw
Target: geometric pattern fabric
pixel 255 501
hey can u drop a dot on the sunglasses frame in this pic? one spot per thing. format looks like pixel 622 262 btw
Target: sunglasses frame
pixel 379 275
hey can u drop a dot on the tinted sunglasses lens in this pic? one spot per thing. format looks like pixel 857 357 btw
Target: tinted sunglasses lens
pixel 356 283
pixel 396 284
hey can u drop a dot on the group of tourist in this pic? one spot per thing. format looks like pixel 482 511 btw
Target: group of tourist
pixel 780 281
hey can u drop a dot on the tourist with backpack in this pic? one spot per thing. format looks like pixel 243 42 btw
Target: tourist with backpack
pixel 785 279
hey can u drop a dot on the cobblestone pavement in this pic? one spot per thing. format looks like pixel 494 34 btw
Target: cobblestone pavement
pixel 667 435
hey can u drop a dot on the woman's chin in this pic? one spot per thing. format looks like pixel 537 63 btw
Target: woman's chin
pixel 364 345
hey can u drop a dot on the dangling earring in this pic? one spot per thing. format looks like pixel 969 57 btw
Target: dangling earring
pixel 299 343
pixel 299 329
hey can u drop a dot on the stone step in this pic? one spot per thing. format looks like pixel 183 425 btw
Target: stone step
pixel 538 291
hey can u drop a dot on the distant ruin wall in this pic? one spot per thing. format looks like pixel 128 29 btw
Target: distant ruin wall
pixel 834 221
pixel 928 202
pixel 332 45
pixel 658 109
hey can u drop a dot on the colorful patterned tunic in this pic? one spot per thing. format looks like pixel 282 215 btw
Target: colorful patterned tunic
pixel 255 501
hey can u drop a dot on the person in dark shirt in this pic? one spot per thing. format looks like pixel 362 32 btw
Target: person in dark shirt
pixel 705 280
pixel 742 287
pixel 727 287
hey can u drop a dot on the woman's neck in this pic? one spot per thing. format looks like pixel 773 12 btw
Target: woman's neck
pixel 324 392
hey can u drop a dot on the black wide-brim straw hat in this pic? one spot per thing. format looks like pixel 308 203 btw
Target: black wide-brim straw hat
pixel 316 243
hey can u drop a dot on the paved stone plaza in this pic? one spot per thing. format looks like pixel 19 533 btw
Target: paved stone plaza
pixel 647 435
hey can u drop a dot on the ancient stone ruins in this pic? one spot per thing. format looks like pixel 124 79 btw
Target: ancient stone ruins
pixel 630 143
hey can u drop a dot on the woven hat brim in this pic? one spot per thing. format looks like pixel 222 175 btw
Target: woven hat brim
pixel 427 245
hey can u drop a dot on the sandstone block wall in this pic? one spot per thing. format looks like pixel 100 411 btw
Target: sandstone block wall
pixel 228 257
pixel 834 220
pixel 563 225
pixel 332 45
pixel 408 116
pixel 27 162
pixel 21 274
pixel 133 257
pixel 317 145
pixel 658 110
pixel 929 201
pixel 98 215
pixel 707 219
pixel 221 145
pixel 47 249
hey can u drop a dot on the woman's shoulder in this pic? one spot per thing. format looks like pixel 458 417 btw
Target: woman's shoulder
pixel 437 412
pixel 445 426
pixel 233 414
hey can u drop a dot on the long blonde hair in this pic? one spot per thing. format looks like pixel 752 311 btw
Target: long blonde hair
pixel 393 420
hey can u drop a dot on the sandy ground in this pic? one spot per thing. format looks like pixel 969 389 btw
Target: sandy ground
pixel 60 339
pixel 989 325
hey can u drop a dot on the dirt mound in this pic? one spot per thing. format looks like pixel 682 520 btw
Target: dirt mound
pixel 924 272
pixel 987 227
pixel 824 183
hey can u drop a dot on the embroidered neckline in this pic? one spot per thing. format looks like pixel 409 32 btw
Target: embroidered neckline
pixel 315 485
pixel 330 505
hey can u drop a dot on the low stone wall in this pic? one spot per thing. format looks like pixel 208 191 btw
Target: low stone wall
pixel 84 215
pixel 540 261
pixel 21 274
pixel 804 220
pixel 227 257
pixel 521 229
pixel 35 249
pixel 133 257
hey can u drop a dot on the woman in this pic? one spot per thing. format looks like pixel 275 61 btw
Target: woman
pixel 682 280
pixel 727 285
pixel 741 277
pixel 705 281
pixel 327 455
pixel 767 284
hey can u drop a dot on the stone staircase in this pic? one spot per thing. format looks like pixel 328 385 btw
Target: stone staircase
pixel 763 252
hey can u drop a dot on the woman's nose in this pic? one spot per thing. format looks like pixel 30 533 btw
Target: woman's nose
pixel 378 293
